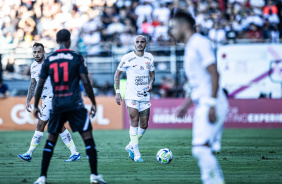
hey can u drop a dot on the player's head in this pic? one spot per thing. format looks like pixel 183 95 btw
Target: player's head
pixel 140 43
pixel 63 37
pixel 38 52
pixel 181 24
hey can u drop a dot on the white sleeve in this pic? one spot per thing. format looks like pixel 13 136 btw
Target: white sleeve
pixel 207 53
pixel 123 64
pixel 31 72
pixel 152 67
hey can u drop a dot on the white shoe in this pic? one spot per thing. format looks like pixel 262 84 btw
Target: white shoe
pixel 40 180
pixel 97 179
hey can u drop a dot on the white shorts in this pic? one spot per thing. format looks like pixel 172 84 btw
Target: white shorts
pixel 139 105
pixel 206 132
pixel 46 108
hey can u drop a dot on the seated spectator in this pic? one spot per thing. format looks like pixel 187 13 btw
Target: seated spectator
pixel 254 19
pixel 217 34
pixel 162 13
pixel 146 28
pixel 270 6
pixel 115 27
pixel 10 67
pixel 231 35
pixel 3 89
pixel 254 32
pixel 143 11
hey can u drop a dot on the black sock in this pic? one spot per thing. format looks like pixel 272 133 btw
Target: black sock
pixel 92 154
pixel 46 157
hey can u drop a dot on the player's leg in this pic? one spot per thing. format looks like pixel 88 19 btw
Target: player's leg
pixel 79 121
pixel 133 112
pixel 144 115
pixel 203 133
pixel 38 134
pixel 56 123
pixel 67 139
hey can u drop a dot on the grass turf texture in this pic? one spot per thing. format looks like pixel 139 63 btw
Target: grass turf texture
pixel 248 156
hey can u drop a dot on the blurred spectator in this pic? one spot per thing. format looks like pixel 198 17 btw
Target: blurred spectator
pixel 231 35
pixel 217 34
pixel 254 32
pixel 161 13
pixel 144 12
pixel 270 7
pixel 115 27
pixel 10 67
pixel 3 89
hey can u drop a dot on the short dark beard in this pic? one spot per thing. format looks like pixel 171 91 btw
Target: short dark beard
pixel 41 59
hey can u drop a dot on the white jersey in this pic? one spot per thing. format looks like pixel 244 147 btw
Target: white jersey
pixel 35 70
pixel 198 55
pixel 137 71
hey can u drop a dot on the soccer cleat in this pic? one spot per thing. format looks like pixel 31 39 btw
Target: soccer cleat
pixel 97 179
pixel 73 158
pixel 138 160
pixel 130 152
pixel 25 157
pixel 40 180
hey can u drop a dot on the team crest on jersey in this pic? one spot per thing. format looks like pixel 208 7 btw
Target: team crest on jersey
pixel 133 102
pixel 148 64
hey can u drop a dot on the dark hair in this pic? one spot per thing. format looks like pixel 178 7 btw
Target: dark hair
pixel 185 16
pixel 38 45
pixel 63 35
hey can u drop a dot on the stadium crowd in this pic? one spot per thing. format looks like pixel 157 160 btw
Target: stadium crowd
pixel 96 23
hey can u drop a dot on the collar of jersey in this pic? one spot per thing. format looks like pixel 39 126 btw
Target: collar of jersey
pixel 61 50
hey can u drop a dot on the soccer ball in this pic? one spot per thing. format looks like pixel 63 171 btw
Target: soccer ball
pixel 164 156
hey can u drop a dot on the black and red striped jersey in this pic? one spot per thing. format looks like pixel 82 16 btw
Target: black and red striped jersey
pixel 64 67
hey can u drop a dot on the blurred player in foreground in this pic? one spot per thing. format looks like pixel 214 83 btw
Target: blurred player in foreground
pixel 211 105
pixel 66 68
pixel 47 95
pixel 139 67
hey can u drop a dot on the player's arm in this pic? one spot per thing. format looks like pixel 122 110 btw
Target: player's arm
pixel 151 81
pixel 117 84
pixel 37 97
pixel 182 109
pixel 214 79
pixel 30 93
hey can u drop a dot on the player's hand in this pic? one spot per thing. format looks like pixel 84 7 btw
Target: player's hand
pixel 181 111
pixel 212 115
pixel 36 111
pixel 118 98
pixel 149 88
pixel 28 107
pixel 93 111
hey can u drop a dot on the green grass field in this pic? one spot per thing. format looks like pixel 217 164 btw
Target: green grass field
pixel 248 156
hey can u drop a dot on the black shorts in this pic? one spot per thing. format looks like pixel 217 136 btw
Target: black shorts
pixel 78 120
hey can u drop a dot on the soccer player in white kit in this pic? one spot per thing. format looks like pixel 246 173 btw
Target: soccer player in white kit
pixel 47 94
pixel 211 105
pixel 139 67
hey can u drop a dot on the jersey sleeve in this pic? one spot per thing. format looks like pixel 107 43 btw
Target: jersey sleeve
pixel 207 53
pixel 152 67
pixel 123 64
pixel 44 70
pixel 31 72
pixel 82 66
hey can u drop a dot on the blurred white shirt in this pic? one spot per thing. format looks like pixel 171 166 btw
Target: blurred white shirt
pixel 217 35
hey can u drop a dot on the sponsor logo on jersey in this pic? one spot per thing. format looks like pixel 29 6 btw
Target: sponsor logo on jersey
pixel 135 65
pixel 133 102
pixel 141 68
pixel 141 80
pixel 131 59
pixel 148 64
pixel 61 56
pixel 142 93
pixel 121 64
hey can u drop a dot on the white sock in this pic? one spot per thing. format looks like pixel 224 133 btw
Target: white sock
pixel 67 139
pixel 37 137
pixel 133 132
pixel 210 169
pixel 141 132
pixel 136 151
